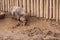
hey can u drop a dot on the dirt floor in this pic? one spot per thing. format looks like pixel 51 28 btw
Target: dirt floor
pixel 36 29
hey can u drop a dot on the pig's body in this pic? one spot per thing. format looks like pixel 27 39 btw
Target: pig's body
pixel 16 12
pixel 19 14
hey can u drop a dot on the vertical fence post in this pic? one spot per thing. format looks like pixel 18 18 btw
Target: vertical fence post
pixel 16 2
pixel 54 6
pixel 35 7
pixel 8 5
pixel 56 10
pixel 0 4
pixel 21 3
pixel 41 8
pixel 59 10
pixel 28 7
pixel 24 5
pixel 47 9
pixel 38 8
pixel 32 7
pixel 51 11
pixel 3 5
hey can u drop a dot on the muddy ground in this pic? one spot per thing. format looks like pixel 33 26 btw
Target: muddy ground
pixel 36 29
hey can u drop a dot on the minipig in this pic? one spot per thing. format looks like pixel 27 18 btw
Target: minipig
pixel 19 14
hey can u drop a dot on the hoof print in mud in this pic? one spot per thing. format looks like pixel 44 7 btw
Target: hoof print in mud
pixel 52 39
pixel 33 32
pixel 49 33
pixel 57 35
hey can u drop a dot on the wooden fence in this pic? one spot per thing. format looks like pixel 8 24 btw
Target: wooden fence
pixel 49 9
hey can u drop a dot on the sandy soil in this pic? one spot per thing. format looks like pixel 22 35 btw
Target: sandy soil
pixel 37 29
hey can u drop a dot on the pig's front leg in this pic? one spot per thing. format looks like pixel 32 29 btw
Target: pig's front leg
pixel 24 23
pixel 18 24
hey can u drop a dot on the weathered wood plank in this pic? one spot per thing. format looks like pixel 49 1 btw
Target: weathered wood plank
pixel 6 5
pixel 10 2
pixel 3 4
pixel 59 9
pixel 21 3
pixel 47 9
pixel 16 2
pixel 54 13
pixel 35 7
pixel 28 7
pixel 38 8
pixel 50 9
pixel 41 8
pixel 56 10
pixel 32 7
pixel 24 5
pixel 0 4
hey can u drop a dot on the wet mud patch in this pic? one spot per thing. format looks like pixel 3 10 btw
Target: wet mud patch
pixel 38 29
